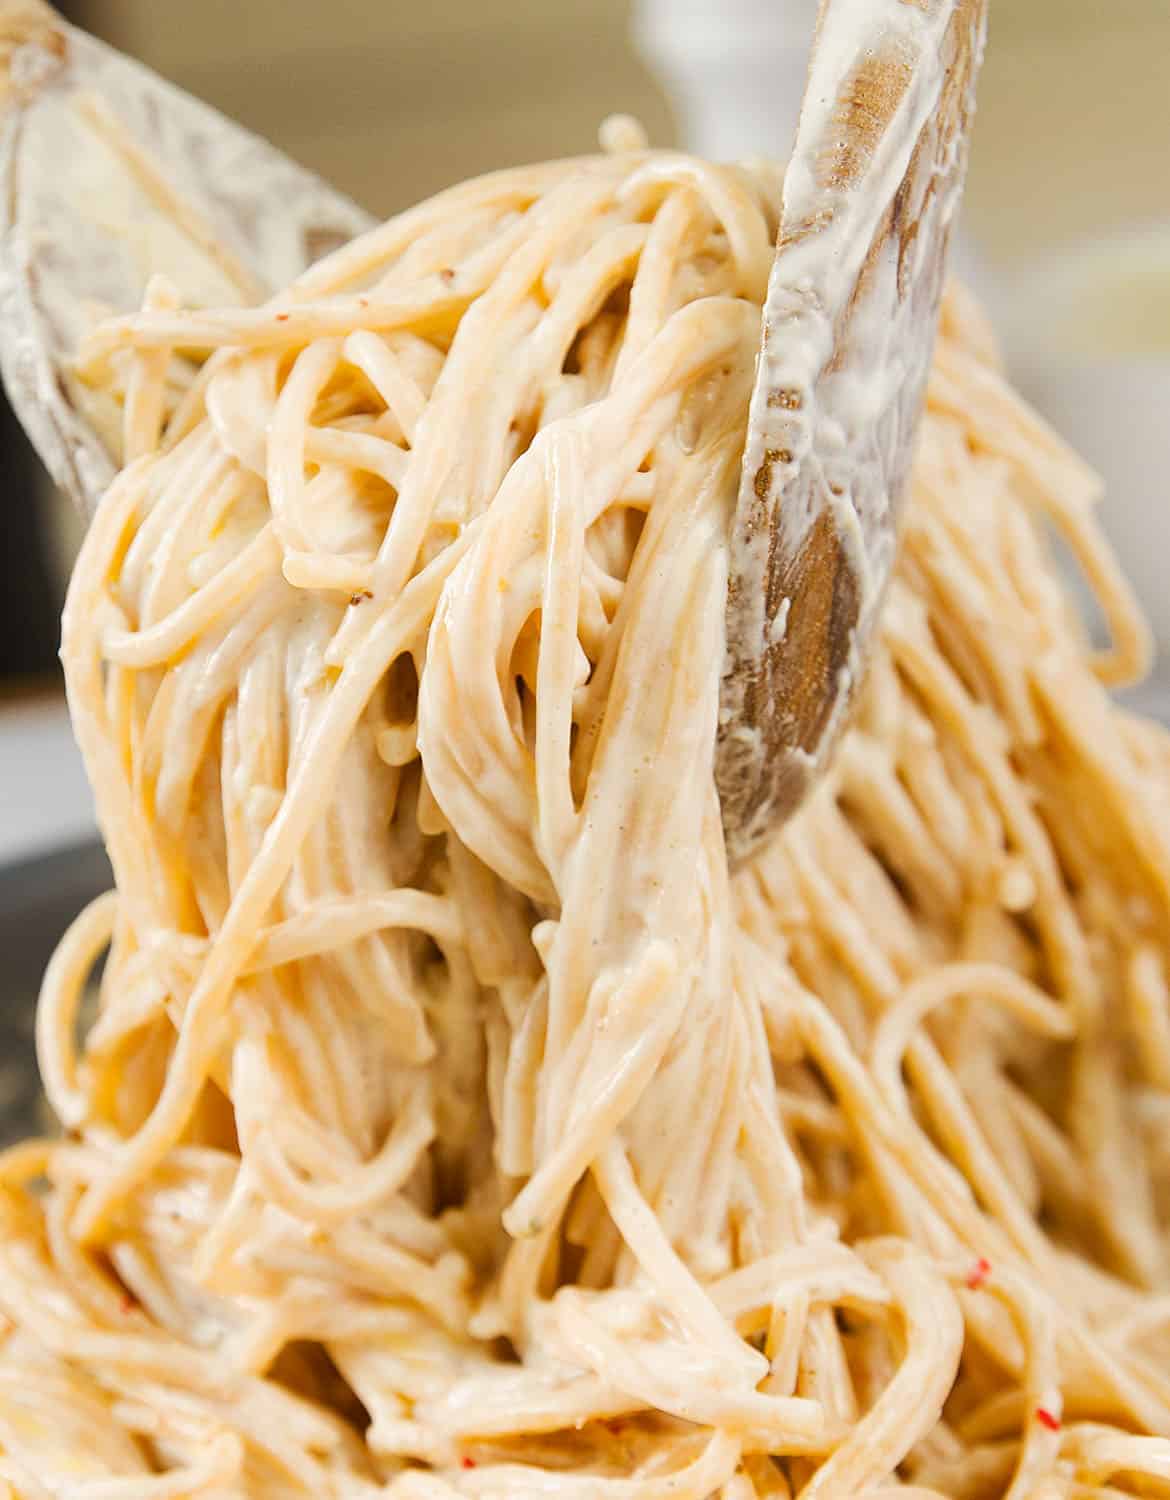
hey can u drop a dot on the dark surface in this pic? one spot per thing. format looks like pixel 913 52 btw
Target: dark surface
pixel 30 583
pixel 30 591
pixel 38 900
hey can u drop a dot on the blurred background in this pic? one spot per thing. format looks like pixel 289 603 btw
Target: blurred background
pixel 1067 236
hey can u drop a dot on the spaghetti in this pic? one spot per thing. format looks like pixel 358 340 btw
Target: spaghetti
pixel 452 1122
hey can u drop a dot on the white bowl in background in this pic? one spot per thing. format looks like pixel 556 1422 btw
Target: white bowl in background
pixel 1088 340
pixel 733 70
pixel 1116 413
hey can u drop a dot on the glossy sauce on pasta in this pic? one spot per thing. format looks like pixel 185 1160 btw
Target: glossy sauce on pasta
pixel 453 1122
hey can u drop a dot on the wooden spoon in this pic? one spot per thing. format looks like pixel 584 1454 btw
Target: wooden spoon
pixel 109 175
pixel 870 197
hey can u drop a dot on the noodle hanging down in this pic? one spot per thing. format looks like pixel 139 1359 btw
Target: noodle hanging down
pixel 452 1122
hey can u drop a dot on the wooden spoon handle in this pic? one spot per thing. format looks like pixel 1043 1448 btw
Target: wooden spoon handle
pixel 870 197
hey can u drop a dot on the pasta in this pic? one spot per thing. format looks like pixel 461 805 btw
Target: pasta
pixel 452 1120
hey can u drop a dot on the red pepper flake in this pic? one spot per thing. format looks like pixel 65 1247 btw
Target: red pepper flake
pixel 447 275
pixel 282 317
pixel 979 1273
pixel 466 1462
pixel 363 302
pixel 1046 1419
pixel 360 597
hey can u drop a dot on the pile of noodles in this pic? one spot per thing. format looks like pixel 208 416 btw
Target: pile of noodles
pixel 451 1122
